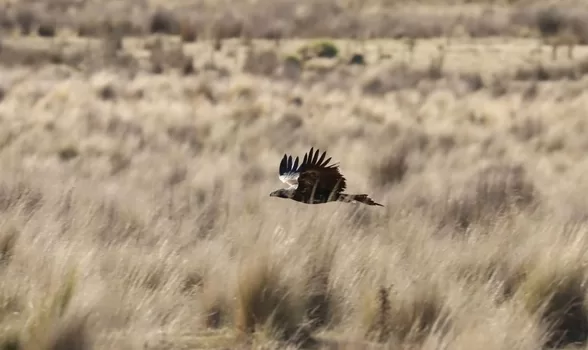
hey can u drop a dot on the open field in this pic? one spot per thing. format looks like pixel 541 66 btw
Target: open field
pixel 136 168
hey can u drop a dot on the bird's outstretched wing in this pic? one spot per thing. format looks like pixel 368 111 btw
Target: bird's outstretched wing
pixel 317 178
pixel 289 171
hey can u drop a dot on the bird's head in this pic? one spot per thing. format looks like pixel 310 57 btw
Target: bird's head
pixel 281 193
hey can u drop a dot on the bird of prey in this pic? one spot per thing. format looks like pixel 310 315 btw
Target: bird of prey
pixel 314 181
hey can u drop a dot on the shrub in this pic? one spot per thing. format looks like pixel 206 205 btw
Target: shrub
pixel 324 49
pixel 357 59
pixel 263 302
pixel 163 22
pixel 292 67
pixel 261 63
pixel 557 295
pixel 495 190
pixel 46 29
pixel 409 317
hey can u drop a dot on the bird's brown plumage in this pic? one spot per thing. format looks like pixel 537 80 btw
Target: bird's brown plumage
pixel 314 181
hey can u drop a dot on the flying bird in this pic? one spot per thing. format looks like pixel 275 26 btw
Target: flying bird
pixel 314 181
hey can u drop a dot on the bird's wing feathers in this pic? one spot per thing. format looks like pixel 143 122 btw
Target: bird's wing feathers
pixel 316 171
pixel 289 171
pixel 313 172
pixel 312 161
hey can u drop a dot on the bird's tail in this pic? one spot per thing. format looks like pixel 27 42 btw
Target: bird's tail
pixel 362 198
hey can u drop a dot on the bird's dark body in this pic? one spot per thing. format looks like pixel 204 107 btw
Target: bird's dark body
pixel 317 181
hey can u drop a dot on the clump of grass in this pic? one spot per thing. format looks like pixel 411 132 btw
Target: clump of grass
pixel 392 169
pixel 397 76
pixel 112 41
pixel 21 195
pixel 215 311
pixel 261 62
pixel 435 68
pixel 89 28
pixel 189 135
pixel 326 49
pixel 321 301
pixel 119 162
pixel 557 294
pixel 296 101
pixel 53 325
pixel 9 340
pixel 292 67
pixel 46 29
pixel 323 49
pixel 504 185
pixel 244 91
pixel 157 57
pixel 408 318
pixel 473 81
pixel 188 30
pixel 215 306
pixel 26 19
pixel 544 72
pixel 493 191
pixel 8 239
pixel 204 89
pixel 264 302
pixel 550 21
pixel 164 22
pixel 15 55
pixel 114 223
pixel 217 43
pixel 528 128
pixel 498 86
pixel 165 55
pixel 248 113
pixel 319 307
pixel 531 91
pixel 226 26
pixel 290 122
pixel 187 66
pixel 393 166
pixel 357 59
pixel 67 153
pixel 7 21
pixel 411 44
pixel 107 91
pixel 71 333
pixel 500 273
pixel 379 321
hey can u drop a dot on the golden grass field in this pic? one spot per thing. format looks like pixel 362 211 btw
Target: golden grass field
pixel 136 167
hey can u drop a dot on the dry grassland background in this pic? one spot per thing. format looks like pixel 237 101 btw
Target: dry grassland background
pixel 139 141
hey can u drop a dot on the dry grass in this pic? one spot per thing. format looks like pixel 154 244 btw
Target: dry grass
pixel 136 169
pixel 564 21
